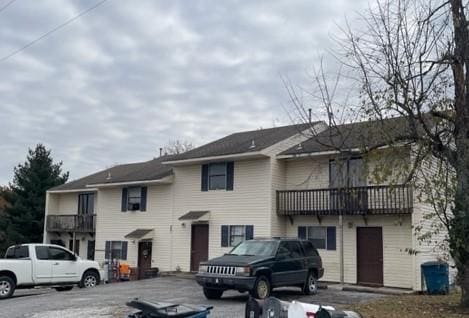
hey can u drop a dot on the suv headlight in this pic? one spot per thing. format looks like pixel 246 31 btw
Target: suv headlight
pixel 203 268
pixel 243 271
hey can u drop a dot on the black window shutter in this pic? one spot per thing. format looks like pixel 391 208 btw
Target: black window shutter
pixel 249 234
pixel 331 238
pixel 124 250
pixel 107 250
pixel 224 236
pixel 124 200
pixel 143 199
pixel 204 179
pixel 229 175
pixel 302 232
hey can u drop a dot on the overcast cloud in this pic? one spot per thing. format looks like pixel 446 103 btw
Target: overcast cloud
pixel 121 81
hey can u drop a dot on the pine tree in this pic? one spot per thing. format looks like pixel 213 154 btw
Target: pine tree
pixel 23 218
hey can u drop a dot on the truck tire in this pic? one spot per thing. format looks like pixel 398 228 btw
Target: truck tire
pixel 63 288
pixel 311 284
pixel 7 287
pixel 90 279
pixel 262 288
pixel 211 293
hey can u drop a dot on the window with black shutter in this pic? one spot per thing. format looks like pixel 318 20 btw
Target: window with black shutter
pixel 217 176
pixel 322 237
pixel 232 235
pixel 116 250
pixel 134 199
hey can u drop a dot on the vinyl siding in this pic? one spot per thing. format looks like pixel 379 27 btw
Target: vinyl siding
pixel 113 225
pixel 397 237
pixel 247 204
pixel 435 248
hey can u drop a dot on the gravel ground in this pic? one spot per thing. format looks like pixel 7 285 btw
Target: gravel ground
pixel 108 301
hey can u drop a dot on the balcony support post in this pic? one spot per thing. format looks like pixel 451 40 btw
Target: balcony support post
pixel 341 226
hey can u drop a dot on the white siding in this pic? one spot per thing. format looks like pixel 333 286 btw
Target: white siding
pixel 247 204
pixel 397 238
pixel 113 225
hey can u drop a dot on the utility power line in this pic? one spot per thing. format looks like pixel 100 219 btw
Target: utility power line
pixel 6 5
pixel 57 28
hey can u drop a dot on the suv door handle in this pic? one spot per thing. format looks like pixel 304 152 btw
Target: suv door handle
pixel 57 263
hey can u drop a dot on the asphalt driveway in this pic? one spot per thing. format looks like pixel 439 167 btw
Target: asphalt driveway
pixel 108 301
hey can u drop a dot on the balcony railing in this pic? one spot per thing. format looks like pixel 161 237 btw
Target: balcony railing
pixel 71 223
pixel 395 199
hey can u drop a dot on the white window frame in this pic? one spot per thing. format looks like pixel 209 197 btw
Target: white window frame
pixel 209 175
pixel 309 236
pixel 231 235
pixel 129 197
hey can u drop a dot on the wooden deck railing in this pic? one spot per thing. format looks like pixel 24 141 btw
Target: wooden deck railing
pixel 71 223
pixel 395 199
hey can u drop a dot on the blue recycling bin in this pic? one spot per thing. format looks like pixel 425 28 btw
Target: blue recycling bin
pixel 436 276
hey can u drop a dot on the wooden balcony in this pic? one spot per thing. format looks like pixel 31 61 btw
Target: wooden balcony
pixel 71 223
pixel 369 200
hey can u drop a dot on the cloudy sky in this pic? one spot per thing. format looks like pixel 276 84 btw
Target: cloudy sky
pixel 124 79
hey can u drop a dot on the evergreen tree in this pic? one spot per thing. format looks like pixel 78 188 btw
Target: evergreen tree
pixel 23 219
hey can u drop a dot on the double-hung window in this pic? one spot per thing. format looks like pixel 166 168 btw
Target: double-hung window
pixel 134 197
pixel 232 235
pixel 322 237
pixel 217 176
pixel 86 203
pixel 116 250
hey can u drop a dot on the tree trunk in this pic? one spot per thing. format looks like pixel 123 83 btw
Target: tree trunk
pixel 464 281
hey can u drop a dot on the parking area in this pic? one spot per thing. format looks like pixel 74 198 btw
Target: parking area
pixel 108 301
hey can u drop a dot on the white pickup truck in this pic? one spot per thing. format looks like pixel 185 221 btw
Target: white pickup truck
pixel 32 265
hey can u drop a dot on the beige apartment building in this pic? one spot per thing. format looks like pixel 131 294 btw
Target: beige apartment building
pixel 310 181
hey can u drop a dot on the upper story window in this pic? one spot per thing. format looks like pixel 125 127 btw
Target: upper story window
pixel 134 199
pixel 86 203
pixel 217 176
pixel 347 173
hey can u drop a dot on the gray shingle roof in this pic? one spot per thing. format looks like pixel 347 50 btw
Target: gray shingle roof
pixel 241 142
pixel 140 171
pixel 360 135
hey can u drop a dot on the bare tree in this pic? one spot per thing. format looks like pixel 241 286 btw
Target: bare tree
pixel 410 58
pixel 176 147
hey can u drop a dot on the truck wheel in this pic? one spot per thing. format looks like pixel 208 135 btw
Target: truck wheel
pixel 213 293
pixel 261 288
pixel 7 287
pixel 90 279
pixel 63 288
pixel 311 284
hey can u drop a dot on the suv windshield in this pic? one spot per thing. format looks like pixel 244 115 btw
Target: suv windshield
pixel 258 248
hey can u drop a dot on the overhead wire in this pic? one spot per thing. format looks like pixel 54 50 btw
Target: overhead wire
pixel 6 5
pixel 55 29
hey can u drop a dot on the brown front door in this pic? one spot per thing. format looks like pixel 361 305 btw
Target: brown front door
pixel 199 245
pixel 370 256
pixel 144 258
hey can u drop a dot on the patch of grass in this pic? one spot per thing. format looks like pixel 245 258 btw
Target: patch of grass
pixel 410 306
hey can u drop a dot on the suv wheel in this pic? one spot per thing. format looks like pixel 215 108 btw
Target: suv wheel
pixel 213 293
pixel 311 284
pixel 261 288
pixel 7 287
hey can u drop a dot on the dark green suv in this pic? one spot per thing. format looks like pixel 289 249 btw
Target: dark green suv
pixel 258 266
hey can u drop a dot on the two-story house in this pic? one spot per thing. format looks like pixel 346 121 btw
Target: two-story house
pixel 310 181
